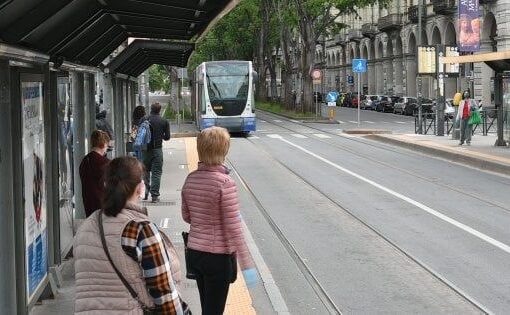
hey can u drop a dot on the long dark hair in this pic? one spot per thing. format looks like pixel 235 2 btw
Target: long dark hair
pixel 138 114
pixel 122 176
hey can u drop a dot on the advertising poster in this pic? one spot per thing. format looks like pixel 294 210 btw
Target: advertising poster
pixel 36 237
pixel 469 26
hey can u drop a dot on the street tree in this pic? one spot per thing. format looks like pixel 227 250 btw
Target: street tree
pixel 316 18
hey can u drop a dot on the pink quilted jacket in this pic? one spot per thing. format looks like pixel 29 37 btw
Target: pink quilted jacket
pixel 210 206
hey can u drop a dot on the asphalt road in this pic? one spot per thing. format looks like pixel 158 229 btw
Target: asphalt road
pixel 363 227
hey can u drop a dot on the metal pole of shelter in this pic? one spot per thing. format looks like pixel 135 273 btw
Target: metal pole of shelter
pixel 78 138
pixel 91 92
pixel 8 269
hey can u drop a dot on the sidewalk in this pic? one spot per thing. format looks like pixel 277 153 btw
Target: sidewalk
pixel 481 154
pixel 180 157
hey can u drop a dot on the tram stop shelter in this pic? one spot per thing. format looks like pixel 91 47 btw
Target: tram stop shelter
pixel 500 63
pixel 59 60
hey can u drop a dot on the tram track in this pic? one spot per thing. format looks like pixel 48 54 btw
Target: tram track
pixel 320 291
pixel 472 195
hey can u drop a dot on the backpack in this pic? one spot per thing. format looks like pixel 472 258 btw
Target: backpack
pixel 143 135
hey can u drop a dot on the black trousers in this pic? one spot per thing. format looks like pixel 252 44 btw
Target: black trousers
pixel 214 273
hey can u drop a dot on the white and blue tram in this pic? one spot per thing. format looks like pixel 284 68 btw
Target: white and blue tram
pixel 223 95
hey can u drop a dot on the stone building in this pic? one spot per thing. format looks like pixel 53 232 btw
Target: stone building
pixel 388 38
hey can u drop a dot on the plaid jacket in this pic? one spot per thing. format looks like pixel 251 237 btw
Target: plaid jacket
pixel 143 243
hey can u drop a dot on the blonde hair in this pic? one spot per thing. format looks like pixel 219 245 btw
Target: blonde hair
pixel 212 145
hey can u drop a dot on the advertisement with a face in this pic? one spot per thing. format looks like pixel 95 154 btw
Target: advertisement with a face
pixel 469 26
pixel 36 239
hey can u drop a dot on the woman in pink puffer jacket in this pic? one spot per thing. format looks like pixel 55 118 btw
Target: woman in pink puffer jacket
pixel 210 206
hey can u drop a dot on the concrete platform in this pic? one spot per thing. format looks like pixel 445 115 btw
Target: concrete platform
pixel 480 154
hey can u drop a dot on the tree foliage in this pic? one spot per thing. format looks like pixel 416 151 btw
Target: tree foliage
pixel 159 79
pixel 233 38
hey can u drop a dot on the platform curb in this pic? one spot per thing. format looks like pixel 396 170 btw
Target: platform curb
pixel 367 131
pixel 473 161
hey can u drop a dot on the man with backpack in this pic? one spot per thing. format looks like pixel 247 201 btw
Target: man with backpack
pixel 153 156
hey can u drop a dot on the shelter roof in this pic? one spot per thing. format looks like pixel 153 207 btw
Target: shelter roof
pixel 141 54
pixel 87 31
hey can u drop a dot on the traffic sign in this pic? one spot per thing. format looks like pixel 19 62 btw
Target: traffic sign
pixel 317 76
pixel 332 97
pixel 359 65
pixel 350 79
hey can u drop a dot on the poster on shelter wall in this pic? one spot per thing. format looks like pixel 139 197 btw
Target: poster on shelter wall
pixel 469 26
pixel 36 238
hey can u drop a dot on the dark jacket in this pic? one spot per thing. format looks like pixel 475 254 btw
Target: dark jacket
pixel 102 124
pixel 92 169
pixel 160 130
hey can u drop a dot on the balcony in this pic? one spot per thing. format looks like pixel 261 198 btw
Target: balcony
pixel 355 34
pixel 444 7
pixel 369 29
pixel 390 22
pixel 412 13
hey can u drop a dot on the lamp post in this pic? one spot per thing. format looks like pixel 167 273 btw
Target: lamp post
pixel 419 83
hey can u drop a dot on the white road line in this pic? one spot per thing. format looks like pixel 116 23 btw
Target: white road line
pixel 297 135
pixel 263 121
pixel 401 122
pixel 322 136
pixel 341 122
pixel 277 121
pixel 164 223
pixel 261 130
pixel 368 122
pixel 274 136
pixel 295 121
pixel 413 202
pixel 353 122
pixel 254 137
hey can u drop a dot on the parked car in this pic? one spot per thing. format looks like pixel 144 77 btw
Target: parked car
pixel 367 102
pixel 449 110
pixel 386 104
pixel 375 104
pixel 400 104
pixel 412 108
pixel 317 95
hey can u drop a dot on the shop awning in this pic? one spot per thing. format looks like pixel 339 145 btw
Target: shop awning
pixel 87 31
pixel 141 54
pixel 498 61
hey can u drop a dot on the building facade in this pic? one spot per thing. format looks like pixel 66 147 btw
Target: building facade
pixel 388 38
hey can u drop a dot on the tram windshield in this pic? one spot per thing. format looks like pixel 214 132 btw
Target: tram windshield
pixel 229 81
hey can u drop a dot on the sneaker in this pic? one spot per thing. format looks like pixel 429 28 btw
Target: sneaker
pixel 155 199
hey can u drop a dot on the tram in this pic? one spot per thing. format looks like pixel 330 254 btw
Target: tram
pixel 223 95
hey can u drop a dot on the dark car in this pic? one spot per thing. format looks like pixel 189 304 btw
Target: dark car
pixel 411 109
pixel 401 103
pixel 376 104
pixel 317 96
pixel 386 104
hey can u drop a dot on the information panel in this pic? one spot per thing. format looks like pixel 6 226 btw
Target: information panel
pixel 36 237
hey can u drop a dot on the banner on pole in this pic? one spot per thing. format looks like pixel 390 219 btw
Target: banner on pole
pixel 469 26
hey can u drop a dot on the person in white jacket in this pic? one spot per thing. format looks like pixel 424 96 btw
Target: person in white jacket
pixel 466 107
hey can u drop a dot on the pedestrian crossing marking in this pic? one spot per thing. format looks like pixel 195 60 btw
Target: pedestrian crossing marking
pixel 297 135
pixel 320 135
pixel 164 223
pixel 263 121
pixel 274 136
pixel 401 122
pixel 294 121
pixel 368 122
pixel 277 121
pixel 254 137
pixel 353 122
pixel 341 122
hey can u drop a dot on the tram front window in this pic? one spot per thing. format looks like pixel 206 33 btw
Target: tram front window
pixel 228 86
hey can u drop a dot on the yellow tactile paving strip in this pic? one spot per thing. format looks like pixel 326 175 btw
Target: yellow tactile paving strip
pixel 239 300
